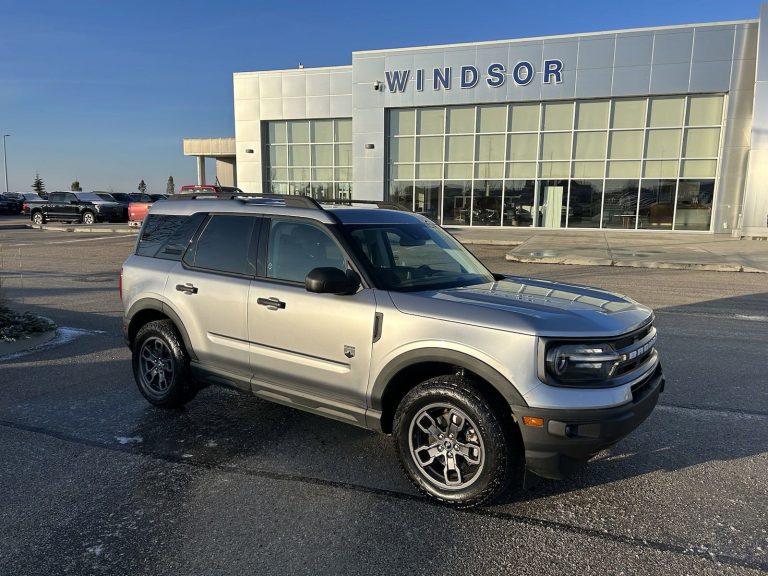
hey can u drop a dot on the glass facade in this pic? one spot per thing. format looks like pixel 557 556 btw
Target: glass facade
pixel 628 163
pixel 310 157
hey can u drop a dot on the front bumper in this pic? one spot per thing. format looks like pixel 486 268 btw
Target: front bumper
pixel 571 437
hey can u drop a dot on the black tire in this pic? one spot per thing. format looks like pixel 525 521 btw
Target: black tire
pixel 176 387
pixel 38 217
pixel 88 215
pixel 496 446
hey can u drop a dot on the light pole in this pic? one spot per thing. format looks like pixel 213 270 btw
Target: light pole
pixel 5 163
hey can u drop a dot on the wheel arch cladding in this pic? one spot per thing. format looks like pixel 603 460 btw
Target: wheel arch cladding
pixel 416 366
pixel 150 309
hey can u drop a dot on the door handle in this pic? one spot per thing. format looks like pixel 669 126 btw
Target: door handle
pixel 186 288
pixel 272 303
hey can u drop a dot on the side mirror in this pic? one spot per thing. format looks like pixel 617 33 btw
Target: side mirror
pixel 331 281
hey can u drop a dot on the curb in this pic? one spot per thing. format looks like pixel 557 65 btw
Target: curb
pixel 583 261
pixel 14 226
pixel 86 229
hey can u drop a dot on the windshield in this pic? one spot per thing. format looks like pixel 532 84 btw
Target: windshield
pixel 415 257
pixel 121 196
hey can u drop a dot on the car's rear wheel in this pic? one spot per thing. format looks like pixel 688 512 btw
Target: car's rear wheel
pixel 88 218
pixel 453 445
pixel 161 365
pixel 38 218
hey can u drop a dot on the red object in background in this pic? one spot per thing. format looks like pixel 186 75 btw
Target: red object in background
pixel 137 211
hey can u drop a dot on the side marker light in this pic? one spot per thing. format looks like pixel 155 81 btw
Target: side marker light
pixel 534 421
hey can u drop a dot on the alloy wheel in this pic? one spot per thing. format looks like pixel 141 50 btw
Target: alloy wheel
pixel 446 446
pixel 156 366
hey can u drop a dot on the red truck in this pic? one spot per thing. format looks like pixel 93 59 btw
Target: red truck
pixel 137 210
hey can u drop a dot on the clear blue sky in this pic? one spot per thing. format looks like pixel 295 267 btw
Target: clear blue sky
pixel 104 91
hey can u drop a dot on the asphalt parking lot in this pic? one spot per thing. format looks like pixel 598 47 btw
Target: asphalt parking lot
pixel 93 480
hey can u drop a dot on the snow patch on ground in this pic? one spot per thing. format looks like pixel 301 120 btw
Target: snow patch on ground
pixel 751 318
pixel 129 439
pixel 64 335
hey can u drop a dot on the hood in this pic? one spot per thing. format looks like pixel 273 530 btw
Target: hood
pixel 525 305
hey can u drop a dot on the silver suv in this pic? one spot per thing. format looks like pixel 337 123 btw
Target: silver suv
pixel 379 318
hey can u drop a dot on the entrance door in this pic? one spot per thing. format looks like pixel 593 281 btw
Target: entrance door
pixel 551 205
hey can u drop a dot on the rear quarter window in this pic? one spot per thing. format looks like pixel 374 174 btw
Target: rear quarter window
pixel 167 236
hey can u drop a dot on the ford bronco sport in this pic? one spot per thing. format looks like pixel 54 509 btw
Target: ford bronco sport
pixel 379 318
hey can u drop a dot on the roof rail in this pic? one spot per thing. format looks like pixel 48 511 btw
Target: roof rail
pixel 378 203
pixel 291 200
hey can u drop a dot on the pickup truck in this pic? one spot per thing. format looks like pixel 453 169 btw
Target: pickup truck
pixel 83 207
pixel 137 210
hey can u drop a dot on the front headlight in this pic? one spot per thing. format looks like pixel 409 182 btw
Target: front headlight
pixel 587 363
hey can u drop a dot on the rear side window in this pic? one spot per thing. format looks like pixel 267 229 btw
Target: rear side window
pixel 226 245
pixel 167 236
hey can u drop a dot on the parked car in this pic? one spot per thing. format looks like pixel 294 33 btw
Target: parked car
pixel 120 197
pixel 32 199
pixel 21 197
pixel 381 319
pixel 137 210
pixel 85 207
pixel 9 205
pixel 209 189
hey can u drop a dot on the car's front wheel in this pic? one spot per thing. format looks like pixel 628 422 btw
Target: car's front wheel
pixel 161 365
pixel 88 218
pixel 453 444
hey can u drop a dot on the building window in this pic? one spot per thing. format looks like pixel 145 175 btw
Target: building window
pixel 310 157
pixel 629 163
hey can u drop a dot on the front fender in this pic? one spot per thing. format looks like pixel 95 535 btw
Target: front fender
pixel 477 364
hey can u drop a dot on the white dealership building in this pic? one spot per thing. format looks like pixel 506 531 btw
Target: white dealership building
pixel 650 129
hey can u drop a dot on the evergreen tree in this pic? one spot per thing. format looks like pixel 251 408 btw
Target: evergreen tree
pixel 75 186
pixel 170 188
pixel 38 185
pixel 142 187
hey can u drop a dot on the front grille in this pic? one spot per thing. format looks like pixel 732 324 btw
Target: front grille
pixel 635 350
pixel 626 341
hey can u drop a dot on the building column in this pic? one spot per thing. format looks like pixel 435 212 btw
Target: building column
pixel 200 169
pixel 755 213
pixel 226 171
